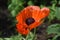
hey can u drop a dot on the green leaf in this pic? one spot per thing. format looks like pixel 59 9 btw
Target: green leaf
pixel 11 7
pixel 30 36
pixel 58 13
pixel 52 14
pixel 30 3
pixel 55 38
pixel 17 2
pixel 17 37
pixel 54 28
pixel 1 39
pixel 13 13
pixel 59 2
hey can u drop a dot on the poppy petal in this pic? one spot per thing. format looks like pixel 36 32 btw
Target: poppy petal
pixel 24 14
pixel 19 18
pixel 45 12
pixel 36 24
pixel 27 13
pixel 35 13
pixel 22 30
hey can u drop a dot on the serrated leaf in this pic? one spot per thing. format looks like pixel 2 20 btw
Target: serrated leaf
pixel 54 28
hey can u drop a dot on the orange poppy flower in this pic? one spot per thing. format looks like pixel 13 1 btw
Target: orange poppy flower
pixel 30 17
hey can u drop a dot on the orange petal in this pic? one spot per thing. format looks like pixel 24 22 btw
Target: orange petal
pixel 36 12
pixel 25 13
pixel 35 24
pixel 45 12
pixel 22 30
pixel 19 18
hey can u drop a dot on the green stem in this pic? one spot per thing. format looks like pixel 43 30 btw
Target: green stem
pixel 31 35
pixel 34 33
pixel 27 36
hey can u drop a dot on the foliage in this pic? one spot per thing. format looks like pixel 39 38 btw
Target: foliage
pixel 54 29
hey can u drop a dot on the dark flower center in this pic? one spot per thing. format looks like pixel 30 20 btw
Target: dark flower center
pixel 30 21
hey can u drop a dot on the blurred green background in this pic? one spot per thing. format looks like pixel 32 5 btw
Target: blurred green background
pixel 10 8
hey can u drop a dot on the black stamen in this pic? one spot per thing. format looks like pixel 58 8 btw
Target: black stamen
pixel 30 21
